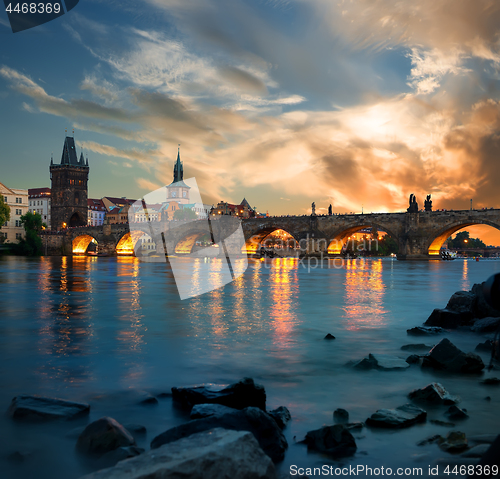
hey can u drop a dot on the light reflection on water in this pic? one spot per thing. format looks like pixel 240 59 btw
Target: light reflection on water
pixel 364 294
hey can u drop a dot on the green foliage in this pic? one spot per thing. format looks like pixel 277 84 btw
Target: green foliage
pixel 185 214
pixel 372 246
pixel 31 245
pixel 4 212
pixel 463 240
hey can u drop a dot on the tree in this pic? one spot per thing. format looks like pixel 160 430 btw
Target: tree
pixel 4 212
pixel 185 214
pixel 31 245
pixel 463 240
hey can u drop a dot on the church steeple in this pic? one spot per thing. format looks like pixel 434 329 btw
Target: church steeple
pixel 178 168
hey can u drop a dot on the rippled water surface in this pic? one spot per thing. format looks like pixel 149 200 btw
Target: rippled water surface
pixel 99 329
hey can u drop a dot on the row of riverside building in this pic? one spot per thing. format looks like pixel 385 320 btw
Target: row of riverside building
pixel 66 203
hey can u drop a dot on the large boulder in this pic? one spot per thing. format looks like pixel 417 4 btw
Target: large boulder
pixel 239 395
pixel 335 441
pixel 462 308
pixel 434 393
pixel 486 325
pixel 402 416
pixel 207 410
pixel 251 419
pixel 481 308
pixel 39 408
pixel 448 319
pixel 281 415
pixel 103 436
pixel 446 356
pixel 212 454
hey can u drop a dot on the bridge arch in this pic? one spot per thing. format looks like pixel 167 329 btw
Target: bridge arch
pixel 132 244
pixel 188 240
pixel 253 243
pixel 82 243
pixel 442 235
pixel 340 237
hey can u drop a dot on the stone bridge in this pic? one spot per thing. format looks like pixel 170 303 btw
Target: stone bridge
pixel 418 235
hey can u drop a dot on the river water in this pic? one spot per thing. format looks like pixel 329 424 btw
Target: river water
pixel 98 329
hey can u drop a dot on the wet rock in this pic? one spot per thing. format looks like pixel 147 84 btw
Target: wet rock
pixel 417 347
pixel 239 395
pixel 102 436
pixel 281 415
pixel 425 331
pixel 119 454
pixel 462 302
pixel 251 419
pixel 485 347
pixel 476 451
pixel 329 336
pixel 446 356
pixel 471 303
pixel 38 408
pixel 454 412
pixel 340 416
pixel 430 440
pixel 402 416
pixel 413 359
pixel 433 392
pixel 217 453
pixel 481 308
pixel 442 423
pixel 135 429
pixel 487 398
pixel 335 441
pixel 455 441
pixel 491 381
pixel 486 325
pixel 382 362
pixel 448 319
pixel 207 410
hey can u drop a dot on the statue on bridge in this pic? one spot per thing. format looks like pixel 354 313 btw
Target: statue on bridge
pixel 330 211
pixel 313 207
pixel 413 208
pixel 428 203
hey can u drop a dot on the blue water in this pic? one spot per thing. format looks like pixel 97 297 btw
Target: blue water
pixel 98 329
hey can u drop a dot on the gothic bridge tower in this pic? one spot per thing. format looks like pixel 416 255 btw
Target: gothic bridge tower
pixel 69 188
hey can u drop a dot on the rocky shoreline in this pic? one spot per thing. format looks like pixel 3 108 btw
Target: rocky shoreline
pixel 232 434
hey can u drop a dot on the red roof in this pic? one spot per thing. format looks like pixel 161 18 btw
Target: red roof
pixel 120 201
pixel 95 204
pixel 38 192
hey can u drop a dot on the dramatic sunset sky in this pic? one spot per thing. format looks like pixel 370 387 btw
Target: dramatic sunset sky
pixel 357 103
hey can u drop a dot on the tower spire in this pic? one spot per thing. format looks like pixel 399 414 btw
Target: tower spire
pixel 178 168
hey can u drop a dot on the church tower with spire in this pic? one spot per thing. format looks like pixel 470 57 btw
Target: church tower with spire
pixel 178 190
pixel 69 188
